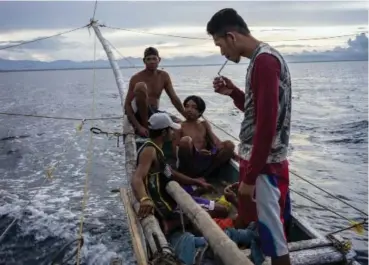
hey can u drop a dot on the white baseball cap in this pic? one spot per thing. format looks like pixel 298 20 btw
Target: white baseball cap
pixel 162 120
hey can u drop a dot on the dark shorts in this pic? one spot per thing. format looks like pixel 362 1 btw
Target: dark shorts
pixel 150 112
pixel 203 162
pixel 200 162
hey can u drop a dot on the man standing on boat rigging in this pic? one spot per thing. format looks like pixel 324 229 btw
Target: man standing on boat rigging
pixel 265 129
pixel 145 88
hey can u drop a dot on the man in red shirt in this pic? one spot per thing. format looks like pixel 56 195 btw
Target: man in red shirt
pixel 265 129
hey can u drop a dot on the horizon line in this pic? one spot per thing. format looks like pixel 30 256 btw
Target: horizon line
pixel 167 66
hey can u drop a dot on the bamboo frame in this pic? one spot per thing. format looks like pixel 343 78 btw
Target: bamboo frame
pixel 134 227
pixel 149 225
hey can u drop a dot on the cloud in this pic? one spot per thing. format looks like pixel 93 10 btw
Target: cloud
pixel 357 49
pixel 16 15
pixel 281 46
pixel 54 43
pixel 273 22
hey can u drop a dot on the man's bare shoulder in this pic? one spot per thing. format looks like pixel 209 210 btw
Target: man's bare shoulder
pixel 205 124
pixel 192 127
pixel 164 74
pixel 146 155
pixel 137 75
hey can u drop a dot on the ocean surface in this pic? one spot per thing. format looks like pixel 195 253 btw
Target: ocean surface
pixel 328 146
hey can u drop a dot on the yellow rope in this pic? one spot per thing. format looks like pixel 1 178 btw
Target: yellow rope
pixel 89 161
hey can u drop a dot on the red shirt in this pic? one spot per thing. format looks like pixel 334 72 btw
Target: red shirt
pixel 265 87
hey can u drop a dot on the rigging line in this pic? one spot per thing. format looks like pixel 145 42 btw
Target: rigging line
pixel 61 118
pixel 158 34
pixel 203 38
pixel 332 195
pixel 220 128
pixel 42 38
pixel 121 55
pixel 321 205
pixel 49 176
pixel 89 160
pixel 301 177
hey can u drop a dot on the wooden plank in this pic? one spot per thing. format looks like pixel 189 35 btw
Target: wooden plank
pixel 323 255
pixel 133 224
pixel 219 242
pixel 317 256
pixel 309 244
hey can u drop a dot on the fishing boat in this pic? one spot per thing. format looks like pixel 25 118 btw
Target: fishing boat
pixel 307 246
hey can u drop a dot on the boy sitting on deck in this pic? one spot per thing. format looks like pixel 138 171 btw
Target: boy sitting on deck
pixel 153 174
pixel 199 151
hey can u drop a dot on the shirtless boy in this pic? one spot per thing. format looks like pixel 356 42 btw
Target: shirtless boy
pixel 200 152
pixel 145 88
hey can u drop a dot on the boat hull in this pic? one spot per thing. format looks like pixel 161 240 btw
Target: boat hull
pixel 307 246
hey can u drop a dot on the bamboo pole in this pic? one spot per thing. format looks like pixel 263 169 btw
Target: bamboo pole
pixel 149 225
pixel 322 255
pixel 134 229
pixel 220 243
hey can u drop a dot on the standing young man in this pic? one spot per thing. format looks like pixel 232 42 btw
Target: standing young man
pixel 145 88
pixel 265 129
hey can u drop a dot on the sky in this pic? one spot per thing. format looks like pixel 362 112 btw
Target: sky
pixel 282 24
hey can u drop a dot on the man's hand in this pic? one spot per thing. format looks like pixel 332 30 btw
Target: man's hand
pixel 229 194
pixel 205 152
pixel 146 208
pixel 142 131
pixel 207 186
pixel 223 85
pixel 236 157
pixel 176 119
pixel 245 190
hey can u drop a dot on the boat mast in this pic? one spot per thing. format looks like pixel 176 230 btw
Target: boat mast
pixel 149 224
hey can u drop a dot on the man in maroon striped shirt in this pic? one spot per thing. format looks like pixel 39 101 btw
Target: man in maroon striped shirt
pixel 265 129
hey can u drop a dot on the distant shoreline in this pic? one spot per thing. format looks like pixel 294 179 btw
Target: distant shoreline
pixel 162 66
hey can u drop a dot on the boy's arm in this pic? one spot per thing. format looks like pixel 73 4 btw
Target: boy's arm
pixel 215 138
pixel 212 135
pixel 184 180
pixel 127 104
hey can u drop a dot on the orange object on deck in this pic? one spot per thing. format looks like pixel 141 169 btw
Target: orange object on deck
pixel 224 223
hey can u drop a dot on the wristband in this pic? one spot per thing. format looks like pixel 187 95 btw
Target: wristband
pixel 145 198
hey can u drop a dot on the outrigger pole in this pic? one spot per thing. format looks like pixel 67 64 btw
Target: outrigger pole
pixel 149 225
pixel 220 243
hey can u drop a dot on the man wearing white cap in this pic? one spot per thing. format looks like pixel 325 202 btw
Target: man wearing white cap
pixel 153 174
